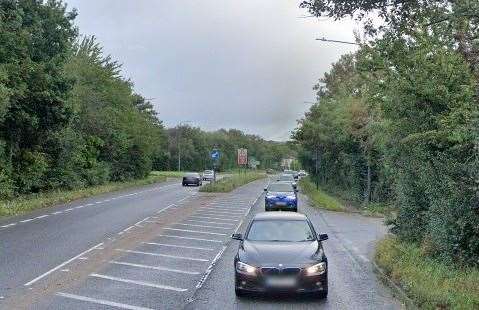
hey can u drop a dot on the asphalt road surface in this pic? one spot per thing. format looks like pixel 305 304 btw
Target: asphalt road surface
pixel 168 247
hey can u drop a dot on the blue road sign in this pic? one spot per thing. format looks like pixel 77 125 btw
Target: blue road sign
pixel 215 154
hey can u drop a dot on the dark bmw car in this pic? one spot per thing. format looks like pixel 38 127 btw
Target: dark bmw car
pixel 281 196
pixel 192 178
pixel 281 253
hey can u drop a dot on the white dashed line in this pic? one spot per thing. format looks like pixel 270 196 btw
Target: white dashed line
pixel 41 216
pixel 26 221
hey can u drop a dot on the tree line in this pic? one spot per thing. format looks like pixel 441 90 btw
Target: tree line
pixel 397 121
pixel 69 119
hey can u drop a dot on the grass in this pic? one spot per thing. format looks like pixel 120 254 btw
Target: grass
pixel 169 174
pixel 377 209
pixel 431 284
pixel 318 197
pixel 228 183
pixel 27 203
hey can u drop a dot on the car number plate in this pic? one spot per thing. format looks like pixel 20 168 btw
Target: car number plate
pixel 281 203
pixel 281 282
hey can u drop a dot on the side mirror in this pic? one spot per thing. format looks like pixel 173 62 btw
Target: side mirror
pixel 265 189
pixel 323 237
pixel 296 190
pixel 237 237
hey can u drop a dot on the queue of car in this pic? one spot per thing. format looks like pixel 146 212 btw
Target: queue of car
pixel 281 251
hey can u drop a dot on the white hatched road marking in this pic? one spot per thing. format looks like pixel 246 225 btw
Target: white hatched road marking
pixel 98 246
pixel 179 246
pixel 204 226
pixel 101 302
pixel 190 238
pixel 142 283
pixel 223 210
pixel 154 267
pixel 208 222
pixel 164 255
pixel 213 218
pixel 197 231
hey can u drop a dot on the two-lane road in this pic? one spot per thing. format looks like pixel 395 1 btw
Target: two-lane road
pixel 168 247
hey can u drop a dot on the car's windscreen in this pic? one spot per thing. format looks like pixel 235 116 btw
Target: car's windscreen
pixel 192 175
pixel 280 187
pixel 208 172
pixel 286 177
pixel 280 230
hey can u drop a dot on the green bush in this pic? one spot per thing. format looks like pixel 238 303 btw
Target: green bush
pixel 228 183
pixel 318 197
pixel 430 283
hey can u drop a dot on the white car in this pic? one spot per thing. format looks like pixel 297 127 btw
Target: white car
pixel 209 175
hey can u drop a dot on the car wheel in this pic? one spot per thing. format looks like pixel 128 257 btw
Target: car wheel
pixel 239 292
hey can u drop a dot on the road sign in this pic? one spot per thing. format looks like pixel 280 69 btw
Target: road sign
pixel 215 154
pixel 242 156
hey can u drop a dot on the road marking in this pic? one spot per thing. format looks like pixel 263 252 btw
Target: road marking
pixel 178 246
pixel 89 204
pixel 208 222
pixel 197 231
pixel 63 264
pixel 214 212
pixel 204 226
pixel 164 255
pixel 58 212
pixel 154 267
pixel 101 302
pixel 9 225
pixel 143 220
pixel 190 238
pixel 26 221
pixel 210 268
pixel 224 210
pixel 79 207
pixel 165 208
pixel 217 214
pixel 142 283
pixel 364 258
pixel 213 218
pixel 41 216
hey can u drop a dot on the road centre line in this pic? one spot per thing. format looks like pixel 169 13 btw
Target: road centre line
pixel 190 238
pixel 163 255
pixel 196 231
pixel 154 267
pixel 142 283
pixel 213 218
pixel 178 246
pixel 204 226
pixel 63 264
pixel 208 222
pixel 101 301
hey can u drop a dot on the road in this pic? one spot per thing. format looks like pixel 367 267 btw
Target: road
pixel 167 247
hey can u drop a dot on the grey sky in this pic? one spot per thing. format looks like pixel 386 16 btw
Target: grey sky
pixel 246 64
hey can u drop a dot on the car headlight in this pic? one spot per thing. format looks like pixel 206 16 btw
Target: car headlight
pixel 270 197
pixel 291 197
pixel 245 268
pixel 316 270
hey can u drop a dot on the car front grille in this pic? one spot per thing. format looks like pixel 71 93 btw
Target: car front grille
pixel 273 271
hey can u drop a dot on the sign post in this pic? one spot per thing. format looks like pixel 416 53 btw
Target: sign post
pixel 242 157
pixel 215 156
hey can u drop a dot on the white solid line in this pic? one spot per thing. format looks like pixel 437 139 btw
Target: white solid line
pixel 143 220
pixel 9 225
pixel 190 238
pixel 26 221
pixel 62 264
pixel 208 222
pixel 142 283
pixel 101 302
pixel 178 246
pixel 154 267
pixel 197 231
pixel 204 226
pixel 213 218
pixel 41 216
pixel 165 208
pixel 164 255
pixel 210 268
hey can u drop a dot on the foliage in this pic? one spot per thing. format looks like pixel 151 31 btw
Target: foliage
pixel 318 197
pixel 27 203
pixel 432 284
pixel 229 183
pixel 397 122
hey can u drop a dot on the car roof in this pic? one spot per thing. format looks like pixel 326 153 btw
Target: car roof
pixel 279 215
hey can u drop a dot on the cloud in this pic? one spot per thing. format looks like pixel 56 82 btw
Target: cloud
pixel 220 64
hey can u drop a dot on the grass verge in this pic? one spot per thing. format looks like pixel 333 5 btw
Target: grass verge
pixel 169 174
pixel 318 197
pixel 26 203
pixel 431 284
pixel 227 184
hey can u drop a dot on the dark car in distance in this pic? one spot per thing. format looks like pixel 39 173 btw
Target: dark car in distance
pixel 192 178
pixel 287 178
pixel 281 253
pixel 281 196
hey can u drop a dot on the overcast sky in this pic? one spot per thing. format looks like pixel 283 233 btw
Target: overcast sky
pixel 246 64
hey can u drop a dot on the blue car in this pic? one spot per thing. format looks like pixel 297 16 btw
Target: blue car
pixel 281 196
